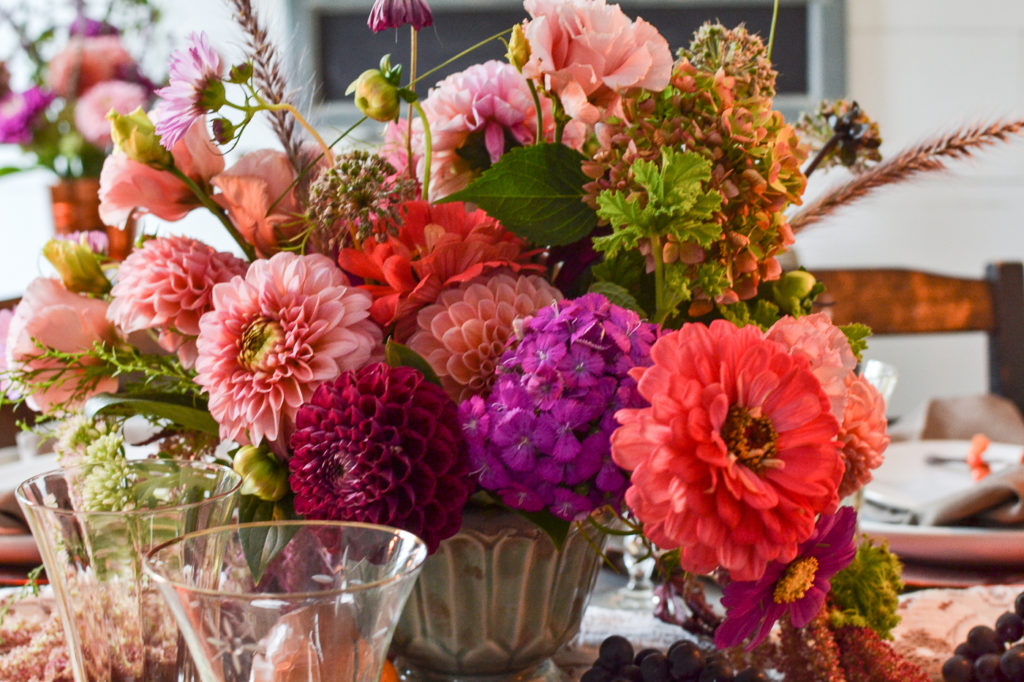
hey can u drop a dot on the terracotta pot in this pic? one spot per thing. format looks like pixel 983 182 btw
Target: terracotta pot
pixel 76 208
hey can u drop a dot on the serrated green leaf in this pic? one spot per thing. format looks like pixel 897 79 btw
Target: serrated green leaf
pixel 618 295
pixel 163 406
pixel 857 334
pixel 398 355
pixel 536 192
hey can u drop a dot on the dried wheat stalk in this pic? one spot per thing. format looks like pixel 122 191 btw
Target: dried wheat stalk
pixel 929 155
pixel 268 76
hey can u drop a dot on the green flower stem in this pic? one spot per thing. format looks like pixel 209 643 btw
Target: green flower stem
pixel 771 34
pixel 427 146
pixel 660 313
pixel 540 113
pixel 460 55
pixel 284 106
pixel 413 47
pixel 215 208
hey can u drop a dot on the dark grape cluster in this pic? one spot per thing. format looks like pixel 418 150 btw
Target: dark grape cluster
pixel 991 654
pixel 683 662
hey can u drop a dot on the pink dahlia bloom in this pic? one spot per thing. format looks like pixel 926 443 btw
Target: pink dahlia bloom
pixel 248 190
pixel 273 336
pixel 862 434
pixel 92 108
pixel 825 347
pixel 587 53
pixel 797 587
pixel 737 454
pixel 86 61
pixel 166 285
pixel 184 101
pixel 475 116
pixel 50 315
pixel 382 445
pixel 465 332
pixel 128 186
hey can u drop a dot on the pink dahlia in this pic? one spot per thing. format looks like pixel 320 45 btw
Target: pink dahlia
pixel 273 336
pixel 194 88
pixel 92 108
pixel 475 116
pixel 166 285
pixel 382 445
pixel 588 53
pixel 826 348
pixel 88 60
pixel 737 453
pixel 862 434
pixel 797 587
pixel 465 332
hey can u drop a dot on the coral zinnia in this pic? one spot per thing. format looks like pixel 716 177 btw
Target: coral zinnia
pixel 862 434
pixel 382 445
pixel 274 335
pixel 737 454
pixel 436 246
pixel 541 438
pixel 796 587
pixel 166 285
pixel 463 335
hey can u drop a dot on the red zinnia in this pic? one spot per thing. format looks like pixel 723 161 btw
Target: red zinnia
pixel 737 454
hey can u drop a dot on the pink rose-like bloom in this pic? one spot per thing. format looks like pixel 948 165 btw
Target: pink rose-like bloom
pixel 192 71
pixel 85 61
pixel 57 318
pixel 737 454
pixel 166 285
pixel 475 115
pixel 95 103
pixel 128 186
pixel 465 332
pixel 826 348
pixel 588 53
pixel 863 434
pixel 249 189
pixel 273 336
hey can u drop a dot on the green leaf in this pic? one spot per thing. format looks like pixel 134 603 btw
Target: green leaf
pixel 557 529
pixel 398 355
pixel 536 192
pixel 618 295
pixel 857 334
pixel 167 406
pixel 10 170
pixel 261 545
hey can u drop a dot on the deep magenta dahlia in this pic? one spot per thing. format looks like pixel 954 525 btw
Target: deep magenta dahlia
pixel 382 445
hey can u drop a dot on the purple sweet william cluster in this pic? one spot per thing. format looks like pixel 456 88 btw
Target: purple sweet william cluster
pixel 540 440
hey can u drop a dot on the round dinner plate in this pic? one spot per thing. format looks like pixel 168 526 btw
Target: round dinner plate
pixel 906 477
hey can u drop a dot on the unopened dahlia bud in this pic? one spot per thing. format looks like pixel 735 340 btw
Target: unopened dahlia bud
pixel 518 48
pixel 376 96
pixel 263 475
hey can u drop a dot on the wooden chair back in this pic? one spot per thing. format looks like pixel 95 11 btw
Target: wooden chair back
pixel 902 301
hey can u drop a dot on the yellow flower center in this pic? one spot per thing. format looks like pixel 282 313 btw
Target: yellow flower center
pixel 750 437
pixel 796 580
pixel 259 339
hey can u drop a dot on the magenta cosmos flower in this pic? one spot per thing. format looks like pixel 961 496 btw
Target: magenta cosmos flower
pixel 166 285
pixel 737 454
pixel 797 587
pixel 387 14
pixel 382 445
pixel 273 336
pixel 195 73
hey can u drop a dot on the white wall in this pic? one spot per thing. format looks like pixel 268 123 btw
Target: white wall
pixel 916 66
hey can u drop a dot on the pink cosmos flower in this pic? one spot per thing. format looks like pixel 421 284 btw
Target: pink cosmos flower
pixel 797 587
pixel 249 189
pixel 587 53
pixel 166 285
pixel 128 186
pixel 92 108
pixel 475 116
pixel 737 453
pixel 273 336
pixel 86 61
pixel 826 348
pixel 51 315
pixel 862 434
pixel 387 14
pixel 465 332
pixel 182 102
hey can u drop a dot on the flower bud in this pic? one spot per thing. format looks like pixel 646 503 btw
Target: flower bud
pixel 376 96
pixel 240 73
pixel 135 135
pixel 518 48
pixel 263 475
pixel 223 130
pixel 387 14
pixel 791 289
pixel 78 266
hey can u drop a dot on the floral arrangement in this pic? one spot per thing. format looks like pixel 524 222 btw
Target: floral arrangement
pixel 554 286
pixel 67 71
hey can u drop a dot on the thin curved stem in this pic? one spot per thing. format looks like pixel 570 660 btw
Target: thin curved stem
pixel 771 34
pixel 426 149
pixel 216 210
pixel 460 55
pixel 285 106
